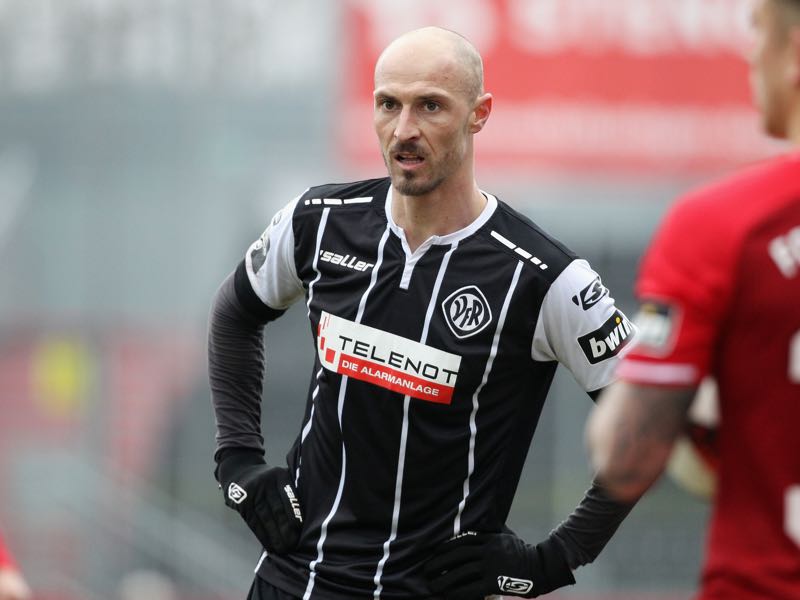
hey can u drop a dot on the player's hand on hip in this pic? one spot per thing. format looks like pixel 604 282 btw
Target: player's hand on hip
pixel 474 565
pixel 265 498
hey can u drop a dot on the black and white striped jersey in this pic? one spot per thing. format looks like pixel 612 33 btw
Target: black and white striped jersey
pixel 431 370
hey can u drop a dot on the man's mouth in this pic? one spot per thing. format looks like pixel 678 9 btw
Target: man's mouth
pixel 408 158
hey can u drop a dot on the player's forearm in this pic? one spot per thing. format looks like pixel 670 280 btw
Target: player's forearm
pixel 235 369
pixel 584 534
pixel 630 435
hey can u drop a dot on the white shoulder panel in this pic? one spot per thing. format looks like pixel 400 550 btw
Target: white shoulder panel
pixel 270 262
pixel 580 326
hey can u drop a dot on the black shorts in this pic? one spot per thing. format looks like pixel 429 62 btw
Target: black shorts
pixel 263 590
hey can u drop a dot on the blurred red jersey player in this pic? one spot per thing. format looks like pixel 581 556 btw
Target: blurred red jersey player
pixel 720 296
pixel 12 585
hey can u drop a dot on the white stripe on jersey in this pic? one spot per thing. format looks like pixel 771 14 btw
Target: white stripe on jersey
pixel 260 560
pixel 521 251
pixel 340 407
pixel 306 430
pixel 320 230
pixel 503 240
pixel 398 485
pixel 473 429
pixel 337 201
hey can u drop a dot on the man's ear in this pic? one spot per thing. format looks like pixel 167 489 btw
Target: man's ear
pixel 481 112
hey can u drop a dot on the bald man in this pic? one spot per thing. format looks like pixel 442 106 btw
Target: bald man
pixel 439 316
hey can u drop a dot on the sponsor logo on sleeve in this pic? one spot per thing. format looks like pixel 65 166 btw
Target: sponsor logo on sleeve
pixel 387 360
pixel 609 340
pixel 260 248
pixel 591 294
pixel 656 322
pixel 513 585
pixel 785 252
pixel 466 311
pixel 258 252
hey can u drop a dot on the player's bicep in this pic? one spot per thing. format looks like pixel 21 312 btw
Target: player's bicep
pixel 685 286
pixel 270 263
pixel 581 327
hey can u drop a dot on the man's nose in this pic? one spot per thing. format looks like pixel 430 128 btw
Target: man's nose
pixel 406 127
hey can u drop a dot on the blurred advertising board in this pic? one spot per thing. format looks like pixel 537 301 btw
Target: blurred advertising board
pixel 638 86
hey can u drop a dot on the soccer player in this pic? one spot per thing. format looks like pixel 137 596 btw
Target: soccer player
pixel 720 293
pixel 12 585
pixel 438 317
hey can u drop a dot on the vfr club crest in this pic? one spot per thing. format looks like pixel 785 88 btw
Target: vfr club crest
pixel 466 311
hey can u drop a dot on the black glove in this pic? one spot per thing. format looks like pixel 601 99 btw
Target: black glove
pixel 264 496
pixel 475 565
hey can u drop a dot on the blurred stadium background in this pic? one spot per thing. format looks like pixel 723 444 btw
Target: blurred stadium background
pixel 145 143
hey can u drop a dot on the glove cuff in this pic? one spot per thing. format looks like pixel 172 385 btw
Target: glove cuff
pixel 554 564
pixel 232 461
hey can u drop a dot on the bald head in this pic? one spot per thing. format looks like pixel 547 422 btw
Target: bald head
pixel 422 51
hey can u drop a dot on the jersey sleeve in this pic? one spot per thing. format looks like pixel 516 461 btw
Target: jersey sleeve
pixel 270 262
pixel 580 326
pixel 684 288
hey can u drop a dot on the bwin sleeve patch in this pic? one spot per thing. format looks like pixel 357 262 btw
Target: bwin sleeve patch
pixel 588 336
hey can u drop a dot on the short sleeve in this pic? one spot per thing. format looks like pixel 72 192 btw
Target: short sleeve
pixel 684 288
pixel 270 262
pixel 580 326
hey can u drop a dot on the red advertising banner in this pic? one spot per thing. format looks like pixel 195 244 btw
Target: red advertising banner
pixel 631 85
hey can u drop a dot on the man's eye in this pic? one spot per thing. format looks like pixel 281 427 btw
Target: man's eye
pixel 387 104
pixel 431 106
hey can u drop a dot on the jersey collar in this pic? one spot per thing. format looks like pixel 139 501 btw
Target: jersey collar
pixel 456 236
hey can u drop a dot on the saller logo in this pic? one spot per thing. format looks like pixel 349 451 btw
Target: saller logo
pixel 294 502
pixel 607 341
pixel 344 260
pixel 236 493
pixel 466 311
pixel 512 585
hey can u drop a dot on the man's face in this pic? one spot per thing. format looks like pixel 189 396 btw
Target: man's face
pixel 770 67
pixel 423 116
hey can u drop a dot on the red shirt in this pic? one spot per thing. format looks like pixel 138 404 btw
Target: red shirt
pixel 720 293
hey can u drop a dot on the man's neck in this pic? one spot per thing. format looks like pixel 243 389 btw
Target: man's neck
pixel 440 212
